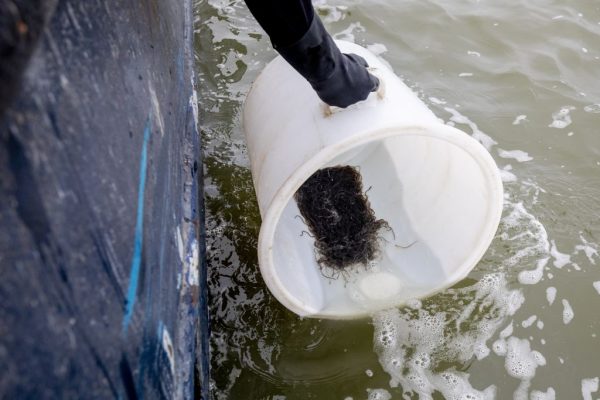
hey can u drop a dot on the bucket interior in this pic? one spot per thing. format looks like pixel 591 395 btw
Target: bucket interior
pixel 435 197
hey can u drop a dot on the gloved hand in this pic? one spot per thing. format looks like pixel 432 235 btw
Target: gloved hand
pixel 339 79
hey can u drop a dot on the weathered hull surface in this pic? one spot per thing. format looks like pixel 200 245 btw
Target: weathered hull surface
pixel 101 224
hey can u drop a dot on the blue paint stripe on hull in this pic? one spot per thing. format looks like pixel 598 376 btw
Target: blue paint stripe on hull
pixel 136 259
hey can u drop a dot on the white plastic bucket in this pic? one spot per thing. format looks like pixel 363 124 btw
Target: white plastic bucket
pixel 438 188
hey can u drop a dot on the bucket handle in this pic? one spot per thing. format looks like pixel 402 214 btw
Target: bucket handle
pixel 328 110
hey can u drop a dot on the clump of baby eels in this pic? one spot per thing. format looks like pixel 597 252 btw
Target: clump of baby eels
pixel 340 218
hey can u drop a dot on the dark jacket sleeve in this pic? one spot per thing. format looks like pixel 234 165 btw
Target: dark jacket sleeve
pixel 298 34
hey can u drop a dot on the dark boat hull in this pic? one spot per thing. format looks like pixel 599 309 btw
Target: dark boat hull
pixel 101 241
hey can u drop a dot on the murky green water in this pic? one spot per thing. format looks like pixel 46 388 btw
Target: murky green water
pixel 524 78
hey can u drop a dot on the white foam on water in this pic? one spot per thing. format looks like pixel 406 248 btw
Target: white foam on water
pixel 508 331
pixel 592 108
pixel 532 242
pixel 377 48
pixel 369 373
pixel 506 175
pixel 589 386
pixel 465 74
pixel 348 33
pixel 568 313
pixel 519 119
pixel 379 394
pixel 560 259
pixel 499 347
pixel 540 325
pixel 474 53
pixel 521 362
pixel 529 321
pixel 597 286
pixel 329 13
pixel 561 118
pixel 550 294
pixel 437 101
pixel 519 155
pixel 411 343
pixel 533 276
pixel 456 386
pixel 414 303
pixel 477 134
pixel 590 249
pixel 549 394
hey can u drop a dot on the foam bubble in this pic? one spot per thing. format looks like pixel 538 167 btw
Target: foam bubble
pixel 418 382
pixel 533 276
pixel 549 394
pixel 529 242
pixel 529 321
pixel 568 313
pixel 519 155
pixel 561 119
pixel 550 294
pixel 506 175
pixel 421 361
pixel 377 48
pixel 589 386
pixel 519 119
pixel 437 101
pixel 597 286
pixel 588 248
pixel 540 325
pixel 477 134
pixel 454 385
pixel 521 362
pixel 521 392
pixel 414 303
pixel 560 259
pixel 499 347
pixel 379 394
pixel 506 332
pixel 331 14
pixel 592 108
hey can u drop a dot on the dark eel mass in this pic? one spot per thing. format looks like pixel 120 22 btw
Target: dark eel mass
pixel 340 218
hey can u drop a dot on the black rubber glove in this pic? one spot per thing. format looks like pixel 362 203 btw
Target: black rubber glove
pixel 339 79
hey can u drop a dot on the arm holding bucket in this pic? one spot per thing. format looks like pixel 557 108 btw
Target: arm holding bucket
pixel 298 34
